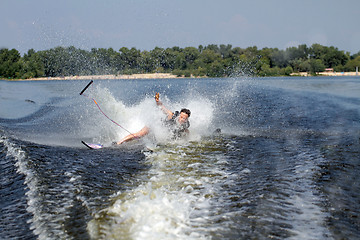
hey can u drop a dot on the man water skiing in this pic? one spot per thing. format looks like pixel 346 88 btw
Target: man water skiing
pixel 177 122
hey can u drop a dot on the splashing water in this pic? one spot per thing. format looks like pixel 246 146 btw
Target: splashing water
pixel 146 113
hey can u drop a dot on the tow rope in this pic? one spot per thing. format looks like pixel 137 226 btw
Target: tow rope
pixel 82 93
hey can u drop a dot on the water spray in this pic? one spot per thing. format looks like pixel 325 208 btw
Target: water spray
pixel 82 93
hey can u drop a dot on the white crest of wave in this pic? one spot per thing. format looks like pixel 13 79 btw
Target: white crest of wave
pixel 38 224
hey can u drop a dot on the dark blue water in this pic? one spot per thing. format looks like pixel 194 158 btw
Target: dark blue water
pixel 285 165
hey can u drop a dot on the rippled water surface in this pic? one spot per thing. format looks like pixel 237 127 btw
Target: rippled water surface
pixel 284 166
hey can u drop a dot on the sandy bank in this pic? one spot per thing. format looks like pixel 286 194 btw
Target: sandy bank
pixel 306 74
pixel 104 77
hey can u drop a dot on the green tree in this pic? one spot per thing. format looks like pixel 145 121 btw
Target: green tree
pixel 157 58
pixel 355 55
pixel 131 58
pixel 333 57
pixel 288 70
pixel 213 47
pixel 300 52
pixel 351 65
pixel 225 50
pixel 330 56
pixel 215 69
pixel 209 56
pixel 190 55
pixel 316 65
pixel 305 66
pixel 9 63
pixel 32 65
pixel 169 59
pixel 278 58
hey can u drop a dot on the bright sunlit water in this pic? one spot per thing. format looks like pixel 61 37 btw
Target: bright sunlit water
pixel 285 165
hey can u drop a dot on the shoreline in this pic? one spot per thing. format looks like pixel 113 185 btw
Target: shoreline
pixel 105 77
pixel 328 74
pixel 166 76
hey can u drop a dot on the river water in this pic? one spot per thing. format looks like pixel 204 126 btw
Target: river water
pixel 284 166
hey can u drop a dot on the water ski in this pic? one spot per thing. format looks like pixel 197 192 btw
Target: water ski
pixel 92 145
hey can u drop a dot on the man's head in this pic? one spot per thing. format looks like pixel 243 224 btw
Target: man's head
pixel 184 115
pixel 185 110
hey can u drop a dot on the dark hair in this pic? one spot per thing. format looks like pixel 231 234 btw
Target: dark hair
pixel 185 110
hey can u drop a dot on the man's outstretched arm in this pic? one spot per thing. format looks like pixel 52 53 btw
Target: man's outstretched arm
pixel 163 108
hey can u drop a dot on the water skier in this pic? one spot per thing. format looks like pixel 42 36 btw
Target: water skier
pixel 177 122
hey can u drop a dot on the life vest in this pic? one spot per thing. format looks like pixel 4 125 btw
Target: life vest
pixel 177 129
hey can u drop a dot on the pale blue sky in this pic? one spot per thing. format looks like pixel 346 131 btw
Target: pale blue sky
pixel 145 24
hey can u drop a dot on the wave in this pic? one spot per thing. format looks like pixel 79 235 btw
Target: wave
pixel 177 199
pixel 46 216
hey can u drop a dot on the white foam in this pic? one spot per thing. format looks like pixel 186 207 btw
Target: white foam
pixel 174 201
pixel 308 220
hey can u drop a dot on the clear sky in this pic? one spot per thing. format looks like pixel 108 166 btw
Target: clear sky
pixel 145 24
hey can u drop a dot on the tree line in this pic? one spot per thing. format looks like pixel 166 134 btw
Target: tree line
pixel 211 61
